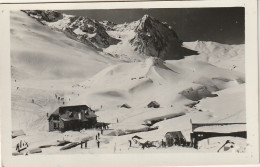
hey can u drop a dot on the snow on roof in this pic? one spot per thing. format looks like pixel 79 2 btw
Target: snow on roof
pixel 175 134
pixel 154 102
pixel 16 133
pixel 68 113
pixel 125 105
pixel 222 128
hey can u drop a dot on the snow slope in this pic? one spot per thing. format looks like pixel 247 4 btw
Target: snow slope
pixel 222 55
pixel 40 53
pixel 57 65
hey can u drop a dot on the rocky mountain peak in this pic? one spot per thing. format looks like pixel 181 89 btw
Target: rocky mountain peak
pixel 156 39
pixel 146 36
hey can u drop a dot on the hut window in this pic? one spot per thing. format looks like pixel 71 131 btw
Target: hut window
pixel 55 118
pixel 56 125
pixel 70 114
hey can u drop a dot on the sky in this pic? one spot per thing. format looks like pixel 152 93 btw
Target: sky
pixel 223 25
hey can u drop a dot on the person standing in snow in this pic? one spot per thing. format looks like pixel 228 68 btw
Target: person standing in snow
pixel 81 144
pixel 98 142
pixel 143 146
pixel 115 148
pixel 86 144
pixel 130 143
pixel 101 131
pixel 98 135
pixel 117 120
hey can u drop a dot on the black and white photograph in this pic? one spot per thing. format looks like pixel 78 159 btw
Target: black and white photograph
pixel 128 81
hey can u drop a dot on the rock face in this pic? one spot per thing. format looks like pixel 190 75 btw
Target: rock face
pixel 153 37
pixel 48 15
pixel 146 37
pixel 83 29
pixel 92 30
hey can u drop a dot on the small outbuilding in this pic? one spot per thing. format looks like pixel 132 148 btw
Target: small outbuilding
pixel 153 104
pixel 172 137
pixel 125 106
pixel 16 133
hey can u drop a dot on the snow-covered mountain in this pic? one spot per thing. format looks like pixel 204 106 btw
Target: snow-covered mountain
pixel 37 52
pixel 145 37
pixel 113 64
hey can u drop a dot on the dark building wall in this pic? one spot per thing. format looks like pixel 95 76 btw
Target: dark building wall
pixel 204 135
pixel 152 105
pixel 198 136
pixel 61 125
pixel 169 141
pixel 51 126
pixel 58 124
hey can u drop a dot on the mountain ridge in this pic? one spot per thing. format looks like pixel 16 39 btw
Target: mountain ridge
pixel 145 37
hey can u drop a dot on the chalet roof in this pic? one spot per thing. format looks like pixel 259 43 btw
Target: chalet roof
pixel 154 102
pixel 69 113
pixel 16 133
pixel 175 134
pixel 125 105
pixel 228 128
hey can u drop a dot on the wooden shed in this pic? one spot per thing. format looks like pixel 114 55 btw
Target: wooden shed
pixel 153 104
pixel 172 136
pixel 125 106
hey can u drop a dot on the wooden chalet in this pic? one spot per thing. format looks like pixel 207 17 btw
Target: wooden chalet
pixel 75 118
